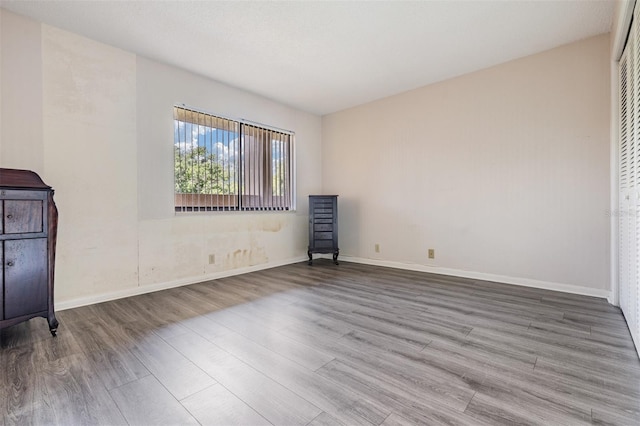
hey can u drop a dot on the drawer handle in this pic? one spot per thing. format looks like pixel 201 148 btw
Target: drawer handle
pixel 9 216
pixel 10 263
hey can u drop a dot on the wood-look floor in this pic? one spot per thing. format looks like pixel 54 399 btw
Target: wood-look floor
pixel 326 345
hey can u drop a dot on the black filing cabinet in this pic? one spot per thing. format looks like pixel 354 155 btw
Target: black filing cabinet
pixel 323 226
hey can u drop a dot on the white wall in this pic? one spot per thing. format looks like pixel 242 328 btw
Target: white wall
pixel 96 123
pixel 172 248
pixel 504 172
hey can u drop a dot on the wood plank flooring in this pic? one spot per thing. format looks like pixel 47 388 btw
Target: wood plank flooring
pixel 326 345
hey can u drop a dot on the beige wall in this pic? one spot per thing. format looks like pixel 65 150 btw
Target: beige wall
pixel 96 122
pixel 504 172
pixel 21 89
pixel 89 106
pixel 1 82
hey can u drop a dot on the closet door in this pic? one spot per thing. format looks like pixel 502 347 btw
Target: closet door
pixel 629 183
pixel 631 313
pixel 623 180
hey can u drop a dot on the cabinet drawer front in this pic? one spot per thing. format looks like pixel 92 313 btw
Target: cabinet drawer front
pixel 323 216
pixel 1 279
pixel 316 220
pixel 323 243
pixel 328 208
pixel 23 216
pixel 25 277
pixel 323 235
pixel 326 227
pixel 321 204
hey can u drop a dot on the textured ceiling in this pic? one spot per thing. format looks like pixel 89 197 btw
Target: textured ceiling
pixel 323 56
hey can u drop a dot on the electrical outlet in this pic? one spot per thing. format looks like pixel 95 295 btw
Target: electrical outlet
pixel 377 248
pixel 212 259
pixel 432 254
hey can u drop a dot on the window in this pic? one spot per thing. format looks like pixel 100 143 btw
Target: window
pixel 224 164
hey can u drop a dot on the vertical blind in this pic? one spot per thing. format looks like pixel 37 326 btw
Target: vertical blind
pixel 629 182
pixel 225 164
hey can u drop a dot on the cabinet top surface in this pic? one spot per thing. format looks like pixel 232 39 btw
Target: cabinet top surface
pixel 13 178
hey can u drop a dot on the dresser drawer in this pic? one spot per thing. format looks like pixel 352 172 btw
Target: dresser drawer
pixel 23 216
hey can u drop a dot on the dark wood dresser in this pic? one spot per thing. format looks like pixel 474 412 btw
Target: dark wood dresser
pixel 323 226
pixel 28 230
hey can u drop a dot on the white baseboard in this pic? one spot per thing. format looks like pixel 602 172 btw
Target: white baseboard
pixel 134 291
pixel 525 282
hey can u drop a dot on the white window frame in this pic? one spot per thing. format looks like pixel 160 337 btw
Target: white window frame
pixel 226 164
